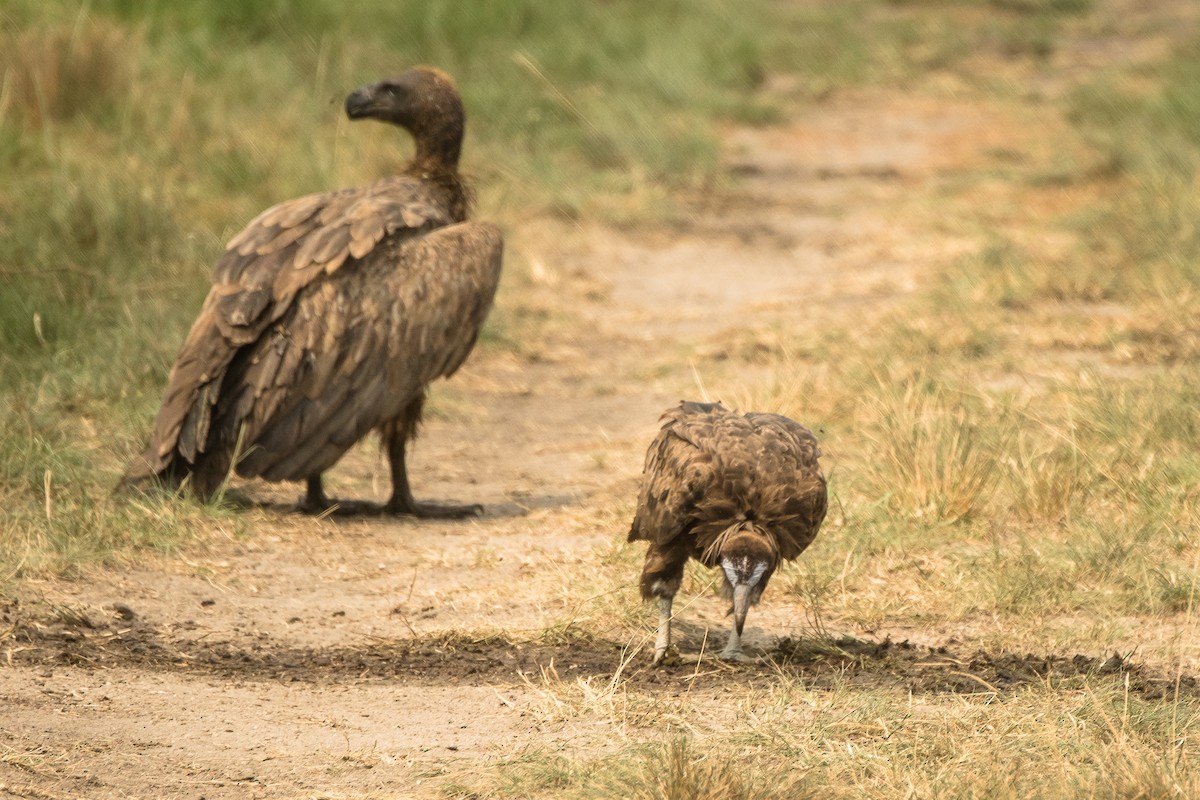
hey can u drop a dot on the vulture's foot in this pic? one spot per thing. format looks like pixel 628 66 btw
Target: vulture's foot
pixel 328 506
pixel 332 507
pixel 666 657
pixel 434 510
pixel 317 506
pixel 315 501
pixel 735 656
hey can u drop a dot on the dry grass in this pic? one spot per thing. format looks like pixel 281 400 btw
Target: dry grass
pixel 679 770
pixel 856 741
pixel 53 73
pixel 936 451
pixel 1047 479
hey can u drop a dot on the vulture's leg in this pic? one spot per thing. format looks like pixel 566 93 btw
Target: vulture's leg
pixel 315 500
pixel 662 642
pixel 661 577
pixel 397 433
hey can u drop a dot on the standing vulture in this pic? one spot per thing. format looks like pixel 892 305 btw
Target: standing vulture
pixel 329 314
pixel 739 491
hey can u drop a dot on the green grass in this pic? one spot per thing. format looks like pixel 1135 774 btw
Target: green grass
pixel 1143 121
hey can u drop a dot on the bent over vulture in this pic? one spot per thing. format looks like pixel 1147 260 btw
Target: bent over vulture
pixel 329 314
pixel 737 491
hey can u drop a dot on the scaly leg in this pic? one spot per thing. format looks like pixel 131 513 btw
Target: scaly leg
pixel 663 642
pixel 661 576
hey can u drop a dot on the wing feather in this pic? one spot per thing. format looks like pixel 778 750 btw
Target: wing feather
pixel 282 239
pixel 678 474
pixel 364 345
pixel 266 271
pixel 710 467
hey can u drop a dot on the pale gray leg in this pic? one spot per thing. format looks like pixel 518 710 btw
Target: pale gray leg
pixel 664 629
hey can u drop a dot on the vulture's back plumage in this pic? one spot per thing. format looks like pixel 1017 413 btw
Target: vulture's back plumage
pixel 330 313
pixel 710 467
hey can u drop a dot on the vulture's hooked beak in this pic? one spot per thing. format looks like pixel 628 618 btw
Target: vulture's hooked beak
pixel 741 604
pixel 361 102
pixel 743 575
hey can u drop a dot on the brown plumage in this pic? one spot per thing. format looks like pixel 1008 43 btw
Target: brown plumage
pixel 737 491
pixel 329 314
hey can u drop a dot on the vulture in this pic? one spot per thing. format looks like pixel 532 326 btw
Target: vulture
pixel 330 314
pixel 738 491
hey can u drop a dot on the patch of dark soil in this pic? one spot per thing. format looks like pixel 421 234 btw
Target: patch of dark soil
pixel 440 660
pixel 74 638
pixel 939 670
pixel 121 639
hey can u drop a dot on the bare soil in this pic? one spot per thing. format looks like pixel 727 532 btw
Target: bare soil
pixel 331 657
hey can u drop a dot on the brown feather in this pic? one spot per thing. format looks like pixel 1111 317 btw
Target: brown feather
pixel 294 212
pixel 282 239
pixel 709 470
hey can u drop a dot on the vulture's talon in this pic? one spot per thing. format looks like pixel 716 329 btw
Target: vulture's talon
pixel 666 658
pixel 316 509
pixel 332 507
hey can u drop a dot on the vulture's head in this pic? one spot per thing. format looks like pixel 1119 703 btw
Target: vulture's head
pixel 748 556
pixel 423 100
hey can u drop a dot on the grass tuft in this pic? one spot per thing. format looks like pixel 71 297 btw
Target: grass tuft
pixel 678 770
pixel 936 450
pixel 55 72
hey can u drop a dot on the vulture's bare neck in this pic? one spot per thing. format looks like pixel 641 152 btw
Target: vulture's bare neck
pixel 436 161
pixel 438 155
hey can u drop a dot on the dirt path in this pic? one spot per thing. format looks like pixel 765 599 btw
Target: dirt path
pixel 375 657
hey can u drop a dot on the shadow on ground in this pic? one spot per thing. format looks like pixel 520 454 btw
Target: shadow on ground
pixel 69 638
pixel 341 508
